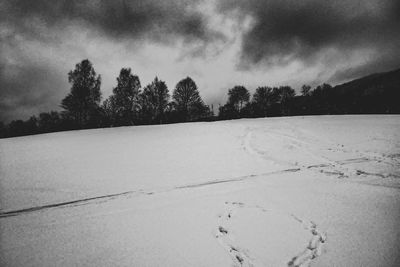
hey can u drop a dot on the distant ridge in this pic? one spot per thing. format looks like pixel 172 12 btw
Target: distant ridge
pixel 375 93
pixel 386 80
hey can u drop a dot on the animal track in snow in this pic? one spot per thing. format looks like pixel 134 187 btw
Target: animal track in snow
pixel 329 167
pixel 317 166
pixel 360 172
pixel 242 257
pixel 314 247
pixel 339 168
pixel 225 237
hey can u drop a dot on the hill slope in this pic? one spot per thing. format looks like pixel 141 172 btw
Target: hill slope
pixel 260 192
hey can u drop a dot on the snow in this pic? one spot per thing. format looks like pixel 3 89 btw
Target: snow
pixel 317 190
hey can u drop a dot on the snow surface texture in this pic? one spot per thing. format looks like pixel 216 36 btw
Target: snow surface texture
pixel 320 191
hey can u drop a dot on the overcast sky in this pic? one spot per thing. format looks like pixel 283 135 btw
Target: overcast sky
pixel 217 43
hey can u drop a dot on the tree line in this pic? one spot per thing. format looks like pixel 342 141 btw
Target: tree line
pixel 130 104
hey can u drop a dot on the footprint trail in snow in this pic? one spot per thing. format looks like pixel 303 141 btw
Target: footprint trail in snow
pixel 243 257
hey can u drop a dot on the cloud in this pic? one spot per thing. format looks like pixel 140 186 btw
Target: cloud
pixel 285 30
pixel 384 61
pixel 138 20
pixel 27 90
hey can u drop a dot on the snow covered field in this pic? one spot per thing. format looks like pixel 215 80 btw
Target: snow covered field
pixel 321 190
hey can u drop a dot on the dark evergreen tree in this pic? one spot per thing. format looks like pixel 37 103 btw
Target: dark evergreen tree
pixel 154 102
pixel 305 90
pixel 32 125
pixel 17 128
pixel 126 98
pixel 108 111
pixel 3 130
pixel 84 99
pixel 49 122
pixel 262 100
pixel 238 96
pixel 286 95
pixel 228 112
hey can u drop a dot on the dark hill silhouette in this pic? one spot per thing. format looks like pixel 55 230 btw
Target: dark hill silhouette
pixel 390 79
pixel 377 93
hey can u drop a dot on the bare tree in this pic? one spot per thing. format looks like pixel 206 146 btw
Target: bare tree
pixel 238 96
pixel 187 99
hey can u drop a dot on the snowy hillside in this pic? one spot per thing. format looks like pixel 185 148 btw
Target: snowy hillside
pixel 321 190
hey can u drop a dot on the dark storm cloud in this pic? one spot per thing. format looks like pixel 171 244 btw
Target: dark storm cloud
pixel 27 90
pixel 387 60
pixel 135 19
pixel 285 30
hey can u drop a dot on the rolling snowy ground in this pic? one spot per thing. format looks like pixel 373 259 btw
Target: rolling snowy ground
pixel 321 190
